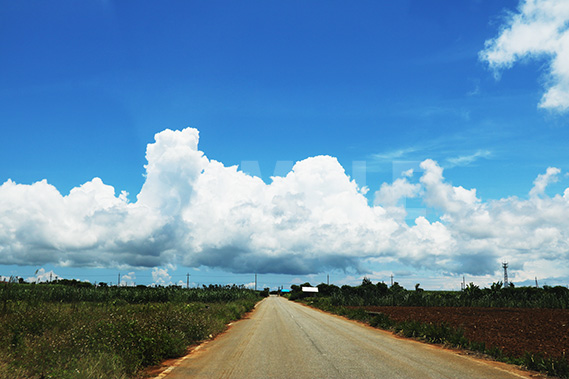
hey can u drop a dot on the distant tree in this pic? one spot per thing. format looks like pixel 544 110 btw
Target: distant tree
pixel 327 289
pixel 396 288
pixel 84 284
pixel 470 293
pixel 382 288
pixel 496 286
pixel 472 288
pixel 417 297
pixel 297 293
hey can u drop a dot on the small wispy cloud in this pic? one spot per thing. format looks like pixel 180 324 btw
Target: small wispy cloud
pixel 384 161
pixel 476 90
pixel 395 154
pixel 438 111
pixel 465 160
pixel 438 148
pixel 408 173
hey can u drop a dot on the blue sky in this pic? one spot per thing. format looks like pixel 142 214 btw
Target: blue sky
pixel 380 86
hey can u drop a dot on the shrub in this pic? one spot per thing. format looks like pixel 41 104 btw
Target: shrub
pixel 558 367
pixel 382 321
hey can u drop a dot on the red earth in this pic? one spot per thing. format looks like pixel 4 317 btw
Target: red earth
pixel 514 330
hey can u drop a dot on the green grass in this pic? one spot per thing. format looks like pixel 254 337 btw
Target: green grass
pixel 117 338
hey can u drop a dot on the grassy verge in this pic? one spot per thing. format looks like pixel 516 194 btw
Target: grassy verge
pixel 104 340
pixel 446 335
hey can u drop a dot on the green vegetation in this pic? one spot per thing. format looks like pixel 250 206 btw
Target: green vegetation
pixel 472 296
pixel 346 301
pixel 72 291
pixel 76 330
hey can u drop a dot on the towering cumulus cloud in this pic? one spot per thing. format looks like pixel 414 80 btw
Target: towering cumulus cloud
pixel 195 211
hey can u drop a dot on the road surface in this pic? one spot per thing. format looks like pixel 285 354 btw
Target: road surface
pixel 283 339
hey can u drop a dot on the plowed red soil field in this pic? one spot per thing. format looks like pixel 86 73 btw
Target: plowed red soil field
pixel 514 330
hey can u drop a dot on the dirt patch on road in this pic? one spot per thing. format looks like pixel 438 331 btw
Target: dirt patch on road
pixel 514 330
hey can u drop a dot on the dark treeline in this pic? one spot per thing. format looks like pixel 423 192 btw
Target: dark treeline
pixel 472 296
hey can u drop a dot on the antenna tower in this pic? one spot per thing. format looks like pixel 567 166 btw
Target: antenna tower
pixel 505 266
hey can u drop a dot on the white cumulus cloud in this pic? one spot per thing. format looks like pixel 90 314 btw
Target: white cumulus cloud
pixel 390 194
pixel 41 275
pixel 161 277
pixel 539 29
pixel 128 279
pixel 195 211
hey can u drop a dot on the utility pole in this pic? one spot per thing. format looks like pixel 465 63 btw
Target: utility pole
pixel 391 280
pixel 50 277
pixel 463 284
pixel 119 282
pixel 255 282
pixel 187 280
pixel 327 279
pixel 505 266
pixel 536 286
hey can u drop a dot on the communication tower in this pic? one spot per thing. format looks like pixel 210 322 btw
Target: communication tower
pixel 505 266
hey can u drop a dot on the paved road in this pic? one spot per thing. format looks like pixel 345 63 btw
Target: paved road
pixel 283 339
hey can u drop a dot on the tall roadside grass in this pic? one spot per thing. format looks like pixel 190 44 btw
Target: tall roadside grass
pixel 78 292
pixel 106 339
